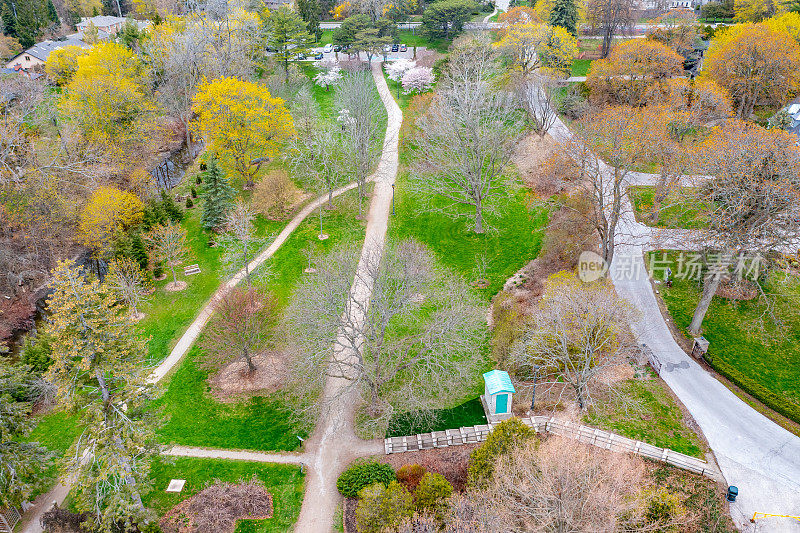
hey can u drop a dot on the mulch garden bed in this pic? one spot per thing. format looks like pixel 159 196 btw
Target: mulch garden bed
pixel 218 507
pixel 451 462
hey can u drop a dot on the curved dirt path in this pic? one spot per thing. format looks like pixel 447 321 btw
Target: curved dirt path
pixel 757 455
pixel 334 443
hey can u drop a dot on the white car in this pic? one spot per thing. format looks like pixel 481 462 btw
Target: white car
pixel 328 48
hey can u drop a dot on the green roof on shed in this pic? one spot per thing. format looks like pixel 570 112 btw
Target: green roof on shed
pixel 498 381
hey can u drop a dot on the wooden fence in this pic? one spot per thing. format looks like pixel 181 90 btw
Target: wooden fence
pixel 584 434
pixel 8 519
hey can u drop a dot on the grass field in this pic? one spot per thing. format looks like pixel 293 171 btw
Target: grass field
pixel 513 241
pixel 580 67
pixel 56 430
pixel 284 483
pixel 263 423
pixel 746 346
pixel 656 419
pixel 678 210
pixel 469 413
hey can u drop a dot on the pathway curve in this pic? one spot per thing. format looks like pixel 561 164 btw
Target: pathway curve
pixel 30 520
pixel 334 443
pixel 757 455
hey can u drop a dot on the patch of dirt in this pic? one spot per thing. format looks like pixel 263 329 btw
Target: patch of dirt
pixel 737 290
pixel 531 152
pixel 234 379
pixel 175 287
pixel 349 515
pixel 451 462
pixel 218 507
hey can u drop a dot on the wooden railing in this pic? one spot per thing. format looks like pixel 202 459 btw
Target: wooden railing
pixel 585 434
pixel 8 519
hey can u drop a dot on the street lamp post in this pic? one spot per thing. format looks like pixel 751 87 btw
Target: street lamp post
pixel 392 198
pixel 535 377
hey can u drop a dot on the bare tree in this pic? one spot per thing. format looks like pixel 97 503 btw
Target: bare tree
pixel 244 324
pixel 468 136
pixel 560 485
pixel 321 159
pixel 413 339
pixel 755 190
pixel 577 331
pixel 169 245
pixel 240 243
pixel 536 97
pixel 306 114
pixel 359 110
pixel 128 281
pixel 610 16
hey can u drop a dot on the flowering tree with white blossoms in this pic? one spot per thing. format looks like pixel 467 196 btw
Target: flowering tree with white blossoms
pixel 329 73
pixel 418 80
pixel 397 69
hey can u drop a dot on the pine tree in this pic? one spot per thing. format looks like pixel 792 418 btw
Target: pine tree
pixel 171 208
pixel 139 251
pixel 52 14
pixel 99 370
pixel 565 14
pixel 9 20
pixel 218 196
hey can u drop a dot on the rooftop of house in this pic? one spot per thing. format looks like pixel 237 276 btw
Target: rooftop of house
pixel 42 50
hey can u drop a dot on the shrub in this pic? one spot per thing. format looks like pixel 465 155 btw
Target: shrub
pixel 275 194
pixel 382 508
pixel 36 352
pixel 139 251
pixel 663 507
pixel 158 270
pixel 194 192
pixel 363 474
pixel 410 475
pixel 432 491
pixel 189 202
pixel 172 210
pixel 572 105
pixel 199 178
pixel 506 435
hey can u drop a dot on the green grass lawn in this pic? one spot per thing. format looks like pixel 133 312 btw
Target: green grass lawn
pixel 656 420
pixel 746 346
pixel 679 210
pixel 263 422
pixel 284 483
pixel 416 37
pixel 56 430
pixel 514 240
pixel 469 413
pixel 580 67
pixel 396 88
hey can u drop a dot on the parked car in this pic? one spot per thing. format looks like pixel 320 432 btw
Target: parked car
pixel 328 48
pixel 318 56
pixel 403 48
pixel 395 47
pixel 337 48
pixel 299 57
pixel 387 48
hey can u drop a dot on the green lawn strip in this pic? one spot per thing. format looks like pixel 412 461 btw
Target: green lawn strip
pixel 56 431
pixel 580 67
pixel 417 38
pixel 396 88
pixel 283 482
pixel 656 419
pixel 745 346
pixel 679 210
pixel 513 241
pixel 263 422
pixel 469 413
pixel 323 97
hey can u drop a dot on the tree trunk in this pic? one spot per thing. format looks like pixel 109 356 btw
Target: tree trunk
pixel 478 217
pixel 330 198
pixel 710 285
pixel 250 366
pixel 174 276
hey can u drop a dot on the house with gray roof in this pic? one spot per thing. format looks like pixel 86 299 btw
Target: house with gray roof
pixel 36 55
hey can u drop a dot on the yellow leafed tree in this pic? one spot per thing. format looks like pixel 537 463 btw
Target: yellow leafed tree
pixel 242 122
pixel 107 96
pixel 534 46
pixel 62 64
pixel 108 211
pixel 788 23
pixel 757 65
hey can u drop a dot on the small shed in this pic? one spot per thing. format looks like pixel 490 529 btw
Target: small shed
pixel 498 393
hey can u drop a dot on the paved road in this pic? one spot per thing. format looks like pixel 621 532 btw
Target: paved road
pixel 758 456
pixel 334 443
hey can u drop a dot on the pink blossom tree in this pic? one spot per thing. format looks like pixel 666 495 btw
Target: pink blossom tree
pixel 418 80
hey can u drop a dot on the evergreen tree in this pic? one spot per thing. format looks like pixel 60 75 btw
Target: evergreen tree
pixel 100 372
pixel 311 12
pixel 52 14
pixel 9 20
pixel 565 14
pixel 139 251
pixel 218 196
pixel 171 208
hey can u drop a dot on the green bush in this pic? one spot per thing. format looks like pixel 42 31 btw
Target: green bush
pixel 382 508
pixel 172 210
pixel 506 435
pixel 36 351
pixel 194 192
pixel 410 476
pixel 363 474
pixel 663 507
pixel 189 203
pixel 432 491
